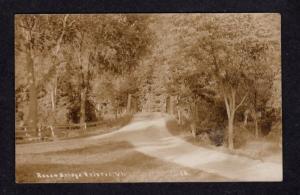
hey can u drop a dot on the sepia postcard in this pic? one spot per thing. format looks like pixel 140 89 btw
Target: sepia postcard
pixel 148 97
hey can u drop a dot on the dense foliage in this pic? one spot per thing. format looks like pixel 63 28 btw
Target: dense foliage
pixel 210 71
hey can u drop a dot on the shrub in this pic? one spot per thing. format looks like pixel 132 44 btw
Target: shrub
pixel 241 135
pixel 270 117
pixel 74 112
pixel 216 136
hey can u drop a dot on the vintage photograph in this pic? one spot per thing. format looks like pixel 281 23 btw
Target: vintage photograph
pixel 148 97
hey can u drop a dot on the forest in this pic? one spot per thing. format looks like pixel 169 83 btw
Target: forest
pixel 213 73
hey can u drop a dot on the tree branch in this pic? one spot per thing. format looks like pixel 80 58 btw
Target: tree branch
pixel 61 36
pixel 233 92
pixel 242 101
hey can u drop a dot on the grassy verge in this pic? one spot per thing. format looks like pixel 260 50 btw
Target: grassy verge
pixel 259 149
pixel 105 162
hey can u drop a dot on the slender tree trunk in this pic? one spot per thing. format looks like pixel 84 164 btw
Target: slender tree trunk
pixel 82 106
pixel 129 99
pixel 167 105
pixel 193 129
pixel 194 118
pixel 179 115
pixel 97 110
pixel 53 97
pixel 231 107
pixel 54 87
pixel 255 114
pixel 256 125
pixel 171 105
pixel 53 108
pixel 256 129
pixel 246 114
pixel 33 117
pixel 197 112
pixel 178 111
pixel 149 103
pixel 52 131
pixel 52 94
pixel 230 132
pixel 228 104
pixel 116 108
pixel 52 111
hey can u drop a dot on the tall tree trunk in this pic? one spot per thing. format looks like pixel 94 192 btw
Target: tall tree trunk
pixel 52 94
pixel 193 118
pixel 230 132
pixel 54 87
pixel 256 129
pixel 82 106
pixel 178 110
pixel 116 108
pixel 149 103
pixel 228 103
pixel 255 114
pixel 196 110
pixel 171 105
pixel 256 125
pixel 231 107
pixel 53 107
pixel 32 116
pixel 129 99
pixel 98 111
pixel 246 114
pixel 193 129
pixel 179 115
pixel 167 105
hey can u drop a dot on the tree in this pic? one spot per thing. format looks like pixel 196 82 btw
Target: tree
pixel 34 41
pixel 261 76
pixel 103 44
pixel 123 42
pixel 220 50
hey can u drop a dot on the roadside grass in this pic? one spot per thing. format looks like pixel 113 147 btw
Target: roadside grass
pixel 105 162
pixel 263 148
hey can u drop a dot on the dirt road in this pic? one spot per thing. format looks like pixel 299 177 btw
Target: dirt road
pixel 149 135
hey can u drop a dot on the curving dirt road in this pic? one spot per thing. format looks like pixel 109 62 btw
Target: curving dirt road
pixel 149 135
